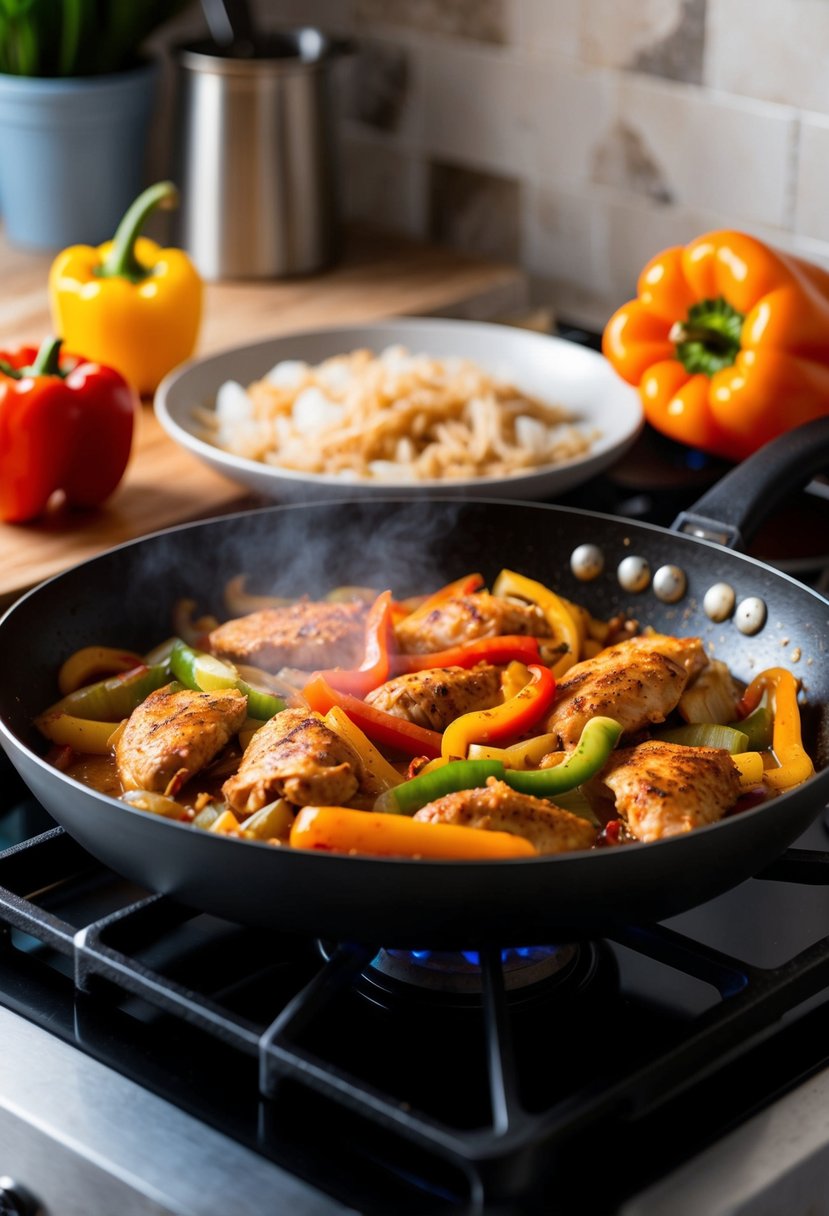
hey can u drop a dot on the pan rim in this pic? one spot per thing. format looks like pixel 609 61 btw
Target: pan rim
pixel 638 526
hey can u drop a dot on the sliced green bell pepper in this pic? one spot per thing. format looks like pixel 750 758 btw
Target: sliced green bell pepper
pixel 205 673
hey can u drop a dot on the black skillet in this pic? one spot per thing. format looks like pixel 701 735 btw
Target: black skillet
pixel 124 597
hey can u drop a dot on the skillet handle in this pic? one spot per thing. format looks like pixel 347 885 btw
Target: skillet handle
pixel 732 510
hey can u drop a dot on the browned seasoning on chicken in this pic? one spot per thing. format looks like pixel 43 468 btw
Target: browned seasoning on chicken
pixel 297 757
pixel 434 698
pixel 664 789
pixel 467 617
pixel 689 652
pixel 496 807
pixel 635 684
pixel 174 734
pixel 307 635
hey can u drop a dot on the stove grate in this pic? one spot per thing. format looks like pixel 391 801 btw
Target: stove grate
pixel 499 1154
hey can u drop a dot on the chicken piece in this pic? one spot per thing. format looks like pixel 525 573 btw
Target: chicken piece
pixel 663 789
pixel 174 734
pixel 496 807
pixel 306 635
pixel 631 682
pixel 297 757
pixel 466 617
pixel 434 698
pixel 690 652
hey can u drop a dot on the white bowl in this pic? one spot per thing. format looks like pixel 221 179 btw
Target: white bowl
pixel 551 369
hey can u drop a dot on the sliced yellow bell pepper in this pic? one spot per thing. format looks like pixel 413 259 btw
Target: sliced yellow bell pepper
pixel 129 304
pixel 751 768
pixel 564 626
pixel 527 754
pixel 794 764
pixel 81 734
pixel 376 765
pixel 94 662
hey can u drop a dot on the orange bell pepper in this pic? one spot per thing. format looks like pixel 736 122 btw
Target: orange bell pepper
pixel 340 830
pixel 727 341
pixel 460 586
pixel 505 721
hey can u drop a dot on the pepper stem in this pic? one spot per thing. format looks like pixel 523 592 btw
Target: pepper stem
pixel 709 338
pixel 47 360
pixel 121 261
pixel 45 363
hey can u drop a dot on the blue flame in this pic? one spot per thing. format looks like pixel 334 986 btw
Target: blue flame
pixel 473 957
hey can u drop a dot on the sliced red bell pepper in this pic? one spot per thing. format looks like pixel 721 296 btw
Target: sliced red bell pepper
pixel 505 648
pixel 374 669
pixel 64 425
pixel 385 729
pixel 506 721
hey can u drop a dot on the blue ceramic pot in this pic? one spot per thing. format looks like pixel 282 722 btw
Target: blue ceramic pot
pixel 72 154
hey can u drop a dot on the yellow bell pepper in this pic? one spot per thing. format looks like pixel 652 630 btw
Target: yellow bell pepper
pixel 383 774
pixel 794 764
pixel 129 304
pixel 81 734
pixel 84 665
pixel 564 625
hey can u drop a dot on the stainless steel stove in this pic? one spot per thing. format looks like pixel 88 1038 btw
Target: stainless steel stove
pixel 159 1061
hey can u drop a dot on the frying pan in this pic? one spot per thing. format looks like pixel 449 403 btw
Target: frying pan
pixel 124 597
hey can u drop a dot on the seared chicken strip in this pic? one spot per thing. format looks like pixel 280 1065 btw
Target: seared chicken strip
pixel 297 757
pixel 466 617
pixel 631 682
pixel 663 789
pixel 690 652
pixel 496 807
pixel 172 735
pixel 434 698
pixel 307 635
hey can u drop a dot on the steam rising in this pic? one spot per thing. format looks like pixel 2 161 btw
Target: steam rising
pixel 309 549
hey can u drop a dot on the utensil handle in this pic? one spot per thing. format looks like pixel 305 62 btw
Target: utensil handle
pixel 732 510
pixel 231 24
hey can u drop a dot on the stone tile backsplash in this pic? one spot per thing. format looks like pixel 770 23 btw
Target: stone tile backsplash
pixel 580 137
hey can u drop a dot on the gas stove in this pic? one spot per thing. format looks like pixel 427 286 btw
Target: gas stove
pixel 160 1061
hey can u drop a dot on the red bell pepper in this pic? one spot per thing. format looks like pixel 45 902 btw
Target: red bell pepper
pixel 65 424
pixel 385 729
pixel 505 648
pixel 374 669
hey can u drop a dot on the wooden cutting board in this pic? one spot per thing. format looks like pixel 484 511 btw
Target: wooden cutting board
pixel 164 485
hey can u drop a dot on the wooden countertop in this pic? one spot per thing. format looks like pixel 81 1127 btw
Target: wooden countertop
pixel 164 485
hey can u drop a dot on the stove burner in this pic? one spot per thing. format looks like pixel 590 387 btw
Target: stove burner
pixel 460 971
